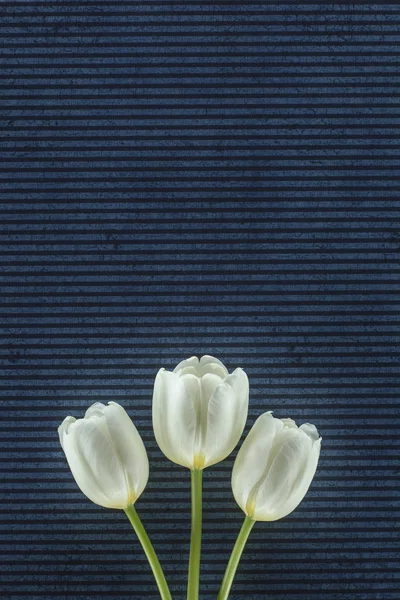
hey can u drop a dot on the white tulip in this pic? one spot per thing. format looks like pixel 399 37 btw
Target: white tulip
pixel 199 411
pixel 106 455
pixel 274 467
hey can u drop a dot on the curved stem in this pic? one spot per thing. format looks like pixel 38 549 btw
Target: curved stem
pixel 149 551
pixel 196 476
pixel 235 558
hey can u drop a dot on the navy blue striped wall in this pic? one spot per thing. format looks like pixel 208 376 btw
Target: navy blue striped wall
pixel 183 178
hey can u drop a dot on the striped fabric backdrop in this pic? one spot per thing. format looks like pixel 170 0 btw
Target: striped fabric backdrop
pixel 181 178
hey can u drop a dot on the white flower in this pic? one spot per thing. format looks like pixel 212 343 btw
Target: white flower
pixel 106 455
pixel 199 411
pixel 274 467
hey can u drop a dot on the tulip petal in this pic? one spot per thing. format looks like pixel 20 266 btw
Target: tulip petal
pixel 189 365
pixel 252 457
pixel 206 364
pixel 95 410
pixel 210 364
pixel 64 428
pixel 209 383
pixel 193 389
pixel 240 384
pixel 226 417
pixel 220 425
pixel 288 422
pixel 192 386
pixel 94 464
pixel 310 430
pixel 287 463
pixel 306 475
pixel 174 418
pixel 129 448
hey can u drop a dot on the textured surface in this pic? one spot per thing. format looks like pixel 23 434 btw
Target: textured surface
pixel 182 178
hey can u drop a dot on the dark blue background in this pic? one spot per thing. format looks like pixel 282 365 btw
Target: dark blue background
pixel 183 178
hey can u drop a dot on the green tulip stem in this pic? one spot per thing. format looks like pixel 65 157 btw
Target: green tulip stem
pixel 149 551
pixel 235 558
pixel 195 539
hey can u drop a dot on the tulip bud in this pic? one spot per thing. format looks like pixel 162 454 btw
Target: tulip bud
pixel 106 455
pixel 199 411
pixel 274 467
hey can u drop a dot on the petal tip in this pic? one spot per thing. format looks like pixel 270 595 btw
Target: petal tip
pixel 65 425
pixel 96 409
pixel 311 431
pixel 64 428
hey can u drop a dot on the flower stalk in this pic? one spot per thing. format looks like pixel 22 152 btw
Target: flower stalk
pixel 149 551
pixel 235 558
pixel 196 476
